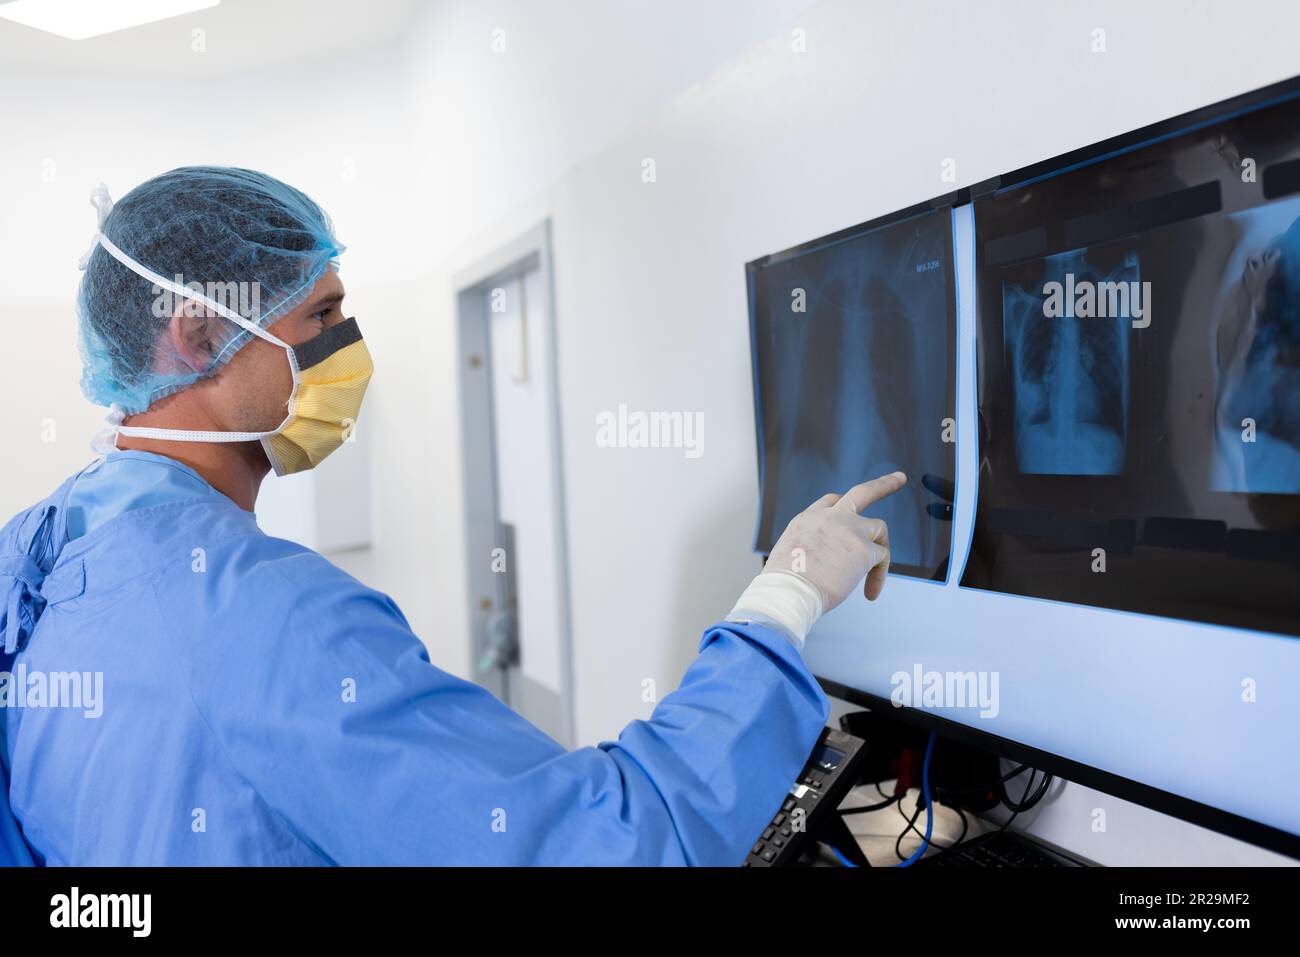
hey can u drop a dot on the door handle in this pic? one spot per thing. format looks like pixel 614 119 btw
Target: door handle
pixel 502 646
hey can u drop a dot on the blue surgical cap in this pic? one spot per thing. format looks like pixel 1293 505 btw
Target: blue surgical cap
pixel 260 241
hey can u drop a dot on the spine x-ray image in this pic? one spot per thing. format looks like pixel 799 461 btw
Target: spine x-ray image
pixel 853 364
pixel 1146 459
pixel 1069 373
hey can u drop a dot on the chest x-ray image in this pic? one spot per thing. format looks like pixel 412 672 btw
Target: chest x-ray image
pixel 1069 373
pixel 853 365
pixel 1257 356
pixel 1146 461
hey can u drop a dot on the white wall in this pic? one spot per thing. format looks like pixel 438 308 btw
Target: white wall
pixel 496 136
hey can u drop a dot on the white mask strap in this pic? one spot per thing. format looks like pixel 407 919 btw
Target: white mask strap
pixel 105 440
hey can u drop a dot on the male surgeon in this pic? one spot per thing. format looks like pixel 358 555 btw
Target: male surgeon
pixel 260 706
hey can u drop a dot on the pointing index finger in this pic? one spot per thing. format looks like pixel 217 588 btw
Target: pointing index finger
pixel 868 493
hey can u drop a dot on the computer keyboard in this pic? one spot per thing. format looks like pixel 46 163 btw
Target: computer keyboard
pixel 1000 850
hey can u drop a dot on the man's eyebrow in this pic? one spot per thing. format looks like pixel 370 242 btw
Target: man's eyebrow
pixel 333 299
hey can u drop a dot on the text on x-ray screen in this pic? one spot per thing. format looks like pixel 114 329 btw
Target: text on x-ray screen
pixel 853 375
pixel 1139 388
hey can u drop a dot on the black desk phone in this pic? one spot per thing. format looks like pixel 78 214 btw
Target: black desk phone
pixel 808 813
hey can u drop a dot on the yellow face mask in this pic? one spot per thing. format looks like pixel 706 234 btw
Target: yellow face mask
pixel 330 376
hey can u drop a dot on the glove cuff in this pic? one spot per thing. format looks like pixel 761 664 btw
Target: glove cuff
pixel 782 598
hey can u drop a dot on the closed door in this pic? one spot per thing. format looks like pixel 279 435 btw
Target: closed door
pixel 514 496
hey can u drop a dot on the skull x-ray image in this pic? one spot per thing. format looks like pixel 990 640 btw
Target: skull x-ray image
pixel 1147 461
pixel 853 368
pixel 1070 373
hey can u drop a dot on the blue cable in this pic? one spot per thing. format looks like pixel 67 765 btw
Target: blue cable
pixel 929 813
pixel 929 808
pixel 843 860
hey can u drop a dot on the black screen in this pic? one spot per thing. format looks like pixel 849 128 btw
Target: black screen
pixel 1139 388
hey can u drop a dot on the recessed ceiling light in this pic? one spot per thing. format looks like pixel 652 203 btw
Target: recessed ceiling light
pixel 79 19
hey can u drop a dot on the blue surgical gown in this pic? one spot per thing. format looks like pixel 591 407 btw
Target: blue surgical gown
pixel 261 706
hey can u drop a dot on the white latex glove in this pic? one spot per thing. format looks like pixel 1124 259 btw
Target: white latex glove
pixel 820 558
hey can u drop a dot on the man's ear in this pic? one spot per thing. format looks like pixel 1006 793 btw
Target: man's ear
pixel 191 332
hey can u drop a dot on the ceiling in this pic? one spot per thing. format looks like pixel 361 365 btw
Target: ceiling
pixel 239 35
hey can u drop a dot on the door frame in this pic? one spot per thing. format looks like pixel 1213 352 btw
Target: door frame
pixel 486 590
